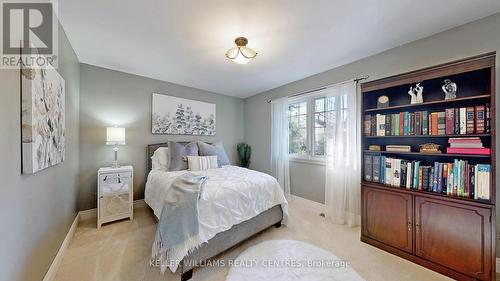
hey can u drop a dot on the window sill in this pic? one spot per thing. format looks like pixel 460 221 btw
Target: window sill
pixel 312 161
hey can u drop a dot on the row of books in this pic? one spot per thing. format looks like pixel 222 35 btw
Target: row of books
pixel 467 146
pixel 459 178
pixel 452 121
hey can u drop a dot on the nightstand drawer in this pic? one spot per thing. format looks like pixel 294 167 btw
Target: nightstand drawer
pixel 114 205
pixel 115 183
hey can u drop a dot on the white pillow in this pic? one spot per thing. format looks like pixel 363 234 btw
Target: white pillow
pixel 161 159
pixel 200 163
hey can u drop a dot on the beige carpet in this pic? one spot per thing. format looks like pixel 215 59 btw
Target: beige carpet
pixel 120 251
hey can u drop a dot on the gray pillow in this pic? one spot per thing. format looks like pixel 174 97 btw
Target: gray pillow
pixel 179 153
pixel 216 149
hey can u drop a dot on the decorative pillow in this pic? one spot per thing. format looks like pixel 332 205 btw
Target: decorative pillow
pixel 161 159
pixel 200 163
pixel 214 150
pixel 178 153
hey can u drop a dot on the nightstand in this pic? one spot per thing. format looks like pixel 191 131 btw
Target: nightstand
pixel 115 194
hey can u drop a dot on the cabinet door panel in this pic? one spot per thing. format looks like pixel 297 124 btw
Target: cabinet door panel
pixel 457 236
pixel 388 218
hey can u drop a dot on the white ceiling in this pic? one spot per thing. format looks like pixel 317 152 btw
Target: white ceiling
pixel 184 41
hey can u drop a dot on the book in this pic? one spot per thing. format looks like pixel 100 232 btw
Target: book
pixel 380 125
pixel 367 125
pixel 434 123
pixel 396 177
pixel 457 121
pixel 480 116
pixel 401 123
pixel 412 124
pixel 435 177
pixel 409 173
pixel 388 171
pixel 425 178
pixel 444 178
pixel 460 150
pixel 396 125
pixel 415 174
pixel 373 131
pixel 450 121
pixel 470 120
pixel 425 122
pixel 418 123
pixel 368 168
pixel 382 169
pixel 404 169
pixel 406 122
pixel 439 187
pixel 398 148
pixel 388 125
pixel 466 145
pixel 420 176
pixel 441 123
pixel 465 140
pixel 376 169
pixel 487 126
pixel 463 120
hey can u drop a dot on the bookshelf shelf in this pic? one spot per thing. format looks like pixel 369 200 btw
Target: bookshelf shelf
pixel 429 154
pixel 438 195
pixel 430 136
pixel 425 104
pixel 433 229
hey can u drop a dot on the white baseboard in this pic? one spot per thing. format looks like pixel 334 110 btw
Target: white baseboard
pixel 80 216
pixel 51 273
pixel 312 205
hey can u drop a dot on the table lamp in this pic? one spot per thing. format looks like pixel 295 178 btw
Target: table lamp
pixel 115 136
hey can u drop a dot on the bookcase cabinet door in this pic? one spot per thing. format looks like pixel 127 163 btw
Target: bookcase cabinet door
pixel 457 236
pixel 388 218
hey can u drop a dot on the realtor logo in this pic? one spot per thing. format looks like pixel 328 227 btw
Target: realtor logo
pixel 29 34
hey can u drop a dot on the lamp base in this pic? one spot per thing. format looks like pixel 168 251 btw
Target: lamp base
pixel 115 164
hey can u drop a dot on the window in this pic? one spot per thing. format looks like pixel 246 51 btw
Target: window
pixel 308 119
pixel 297 132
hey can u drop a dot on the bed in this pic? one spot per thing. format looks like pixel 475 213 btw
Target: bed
pixel 236 204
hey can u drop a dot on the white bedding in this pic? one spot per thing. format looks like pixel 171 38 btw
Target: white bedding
pixel 230 196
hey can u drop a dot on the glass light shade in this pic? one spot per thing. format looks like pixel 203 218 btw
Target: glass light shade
pixel 115 136
pixel 241 55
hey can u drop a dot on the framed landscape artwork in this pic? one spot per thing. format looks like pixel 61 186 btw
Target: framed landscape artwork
pixel 178 116
pixel 43 119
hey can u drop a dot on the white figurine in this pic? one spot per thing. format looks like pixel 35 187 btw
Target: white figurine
pixel 413 99
pixel 450 89
pixel 419 89
pixel 416 94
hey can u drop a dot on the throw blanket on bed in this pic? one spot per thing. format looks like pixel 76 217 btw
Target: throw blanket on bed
pixel 178 222
pixel 231 195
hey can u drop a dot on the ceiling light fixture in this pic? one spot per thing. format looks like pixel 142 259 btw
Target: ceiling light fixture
pixel 241 54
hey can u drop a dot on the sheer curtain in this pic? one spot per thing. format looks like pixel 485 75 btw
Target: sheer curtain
pixel 279 143
pixel 343 171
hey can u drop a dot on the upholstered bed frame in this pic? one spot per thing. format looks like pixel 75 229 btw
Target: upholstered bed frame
pixel 227 239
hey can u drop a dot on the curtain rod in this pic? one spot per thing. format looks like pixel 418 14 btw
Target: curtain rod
pixel 324 87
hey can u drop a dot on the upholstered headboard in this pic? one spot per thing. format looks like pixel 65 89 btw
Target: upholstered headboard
pixel 153 147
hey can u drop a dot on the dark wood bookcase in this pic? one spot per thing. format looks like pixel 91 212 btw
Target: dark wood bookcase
pixel 449 234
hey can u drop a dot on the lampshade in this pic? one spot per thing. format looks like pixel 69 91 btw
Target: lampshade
pixel 115 136
pixel 241 54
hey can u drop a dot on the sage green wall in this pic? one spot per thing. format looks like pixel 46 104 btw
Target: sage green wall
pixel 468 40
pixel 110 97
pixel 37 210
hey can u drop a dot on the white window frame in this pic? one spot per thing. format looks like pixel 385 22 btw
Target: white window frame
pixel 309 157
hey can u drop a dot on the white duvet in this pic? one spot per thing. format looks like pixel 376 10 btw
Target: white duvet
pixel 230 196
